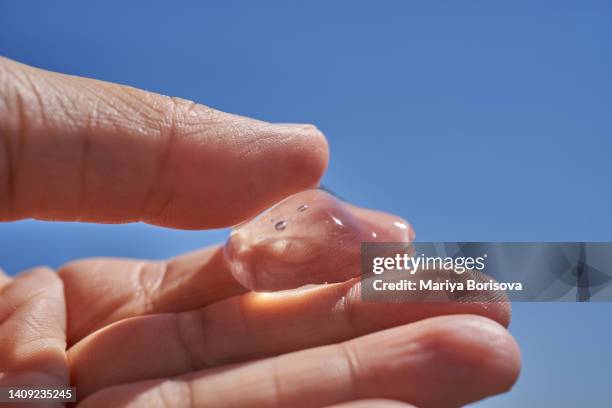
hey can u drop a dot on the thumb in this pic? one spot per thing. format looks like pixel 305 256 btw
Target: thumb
pixel 79 149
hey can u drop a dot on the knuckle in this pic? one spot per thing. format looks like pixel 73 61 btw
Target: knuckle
pixel 151 277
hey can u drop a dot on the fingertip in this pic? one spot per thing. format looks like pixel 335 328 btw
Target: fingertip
pixel 255 164
pixel 314 142
pixel 470 357
pixel 303 154
pixel 319 151
pixel 478 346
pixel 498 311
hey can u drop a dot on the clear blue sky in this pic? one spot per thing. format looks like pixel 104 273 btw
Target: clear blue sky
pixel 476 120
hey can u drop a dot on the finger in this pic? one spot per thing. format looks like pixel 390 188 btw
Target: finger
pixel 372 403
pixel 310 237
pixel 79 149
pixel 468 357
pixel 252 326
pixel 101 291
pixel 32 331
pixel 4 279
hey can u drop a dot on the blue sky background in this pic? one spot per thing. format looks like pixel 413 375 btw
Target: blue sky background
pixel 476 120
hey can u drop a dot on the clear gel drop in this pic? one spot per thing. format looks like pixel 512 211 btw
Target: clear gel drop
pixel 310 237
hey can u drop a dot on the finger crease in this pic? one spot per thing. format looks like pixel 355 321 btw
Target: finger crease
pixel 169 135
pixel 353 369
pixel 191 356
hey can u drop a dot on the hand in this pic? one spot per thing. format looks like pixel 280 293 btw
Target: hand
pixel 185 332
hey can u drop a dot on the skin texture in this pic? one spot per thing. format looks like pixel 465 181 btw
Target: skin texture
pixel 186 332
pixel 32 330
pixel 79 149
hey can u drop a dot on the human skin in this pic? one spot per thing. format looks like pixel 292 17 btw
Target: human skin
pixel 184 332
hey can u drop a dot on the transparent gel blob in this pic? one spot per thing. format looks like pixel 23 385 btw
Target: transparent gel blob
pixel 309 238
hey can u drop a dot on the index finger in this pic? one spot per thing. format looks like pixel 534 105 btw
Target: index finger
pixel 79 149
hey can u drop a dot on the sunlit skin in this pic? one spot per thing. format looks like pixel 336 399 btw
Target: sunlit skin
pixel 187 331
